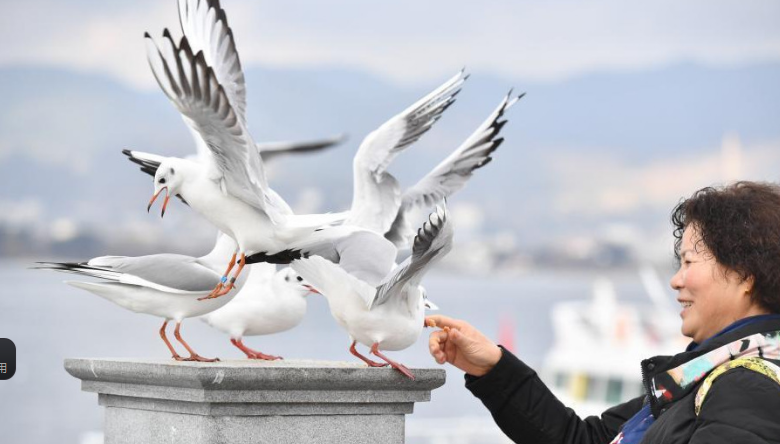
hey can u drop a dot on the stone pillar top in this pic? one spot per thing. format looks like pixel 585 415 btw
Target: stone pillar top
pixel 250 381
pixel 162 400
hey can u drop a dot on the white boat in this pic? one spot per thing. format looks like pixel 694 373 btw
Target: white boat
pixel 594 362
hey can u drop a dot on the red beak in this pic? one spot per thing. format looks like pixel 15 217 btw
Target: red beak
pixel 165 202
pixel 311 289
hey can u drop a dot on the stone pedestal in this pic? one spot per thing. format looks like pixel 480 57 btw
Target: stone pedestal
pixel 237 402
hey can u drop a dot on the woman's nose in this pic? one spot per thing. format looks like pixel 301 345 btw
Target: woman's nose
pixel 677 280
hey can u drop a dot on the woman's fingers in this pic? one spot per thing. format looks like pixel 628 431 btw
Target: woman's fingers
pixel 442 321
pixel 436 344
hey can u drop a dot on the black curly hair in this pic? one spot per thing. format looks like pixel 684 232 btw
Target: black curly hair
pixel 740 225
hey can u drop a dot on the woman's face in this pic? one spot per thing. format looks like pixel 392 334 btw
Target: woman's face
pixel 711 296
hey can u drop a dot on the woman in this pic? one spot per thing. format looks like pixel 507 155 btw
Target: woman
pixel 725 388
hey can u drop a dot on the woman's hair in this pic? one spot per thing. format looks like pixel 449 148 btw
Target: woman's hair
pixel 740 225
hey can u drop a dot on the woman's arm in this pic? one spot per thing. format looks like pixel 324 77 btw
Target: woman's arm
pixel 522 406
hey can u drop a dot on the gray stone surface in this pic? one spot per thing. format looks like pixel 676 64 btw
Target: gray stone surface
pixel 164 401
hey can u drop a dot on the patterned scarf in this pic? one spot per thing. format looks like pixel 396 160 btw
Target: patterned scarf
pixel 673 384
pixel 677 382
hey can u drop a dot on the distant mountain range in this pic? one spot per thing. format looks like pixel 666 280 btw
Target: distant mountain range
pixel 61 134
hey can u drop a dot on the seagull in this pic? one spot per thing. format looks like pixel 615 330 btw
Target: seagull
pixel 269 302
pixel 202 77
pixel 390 316
pixel 164 285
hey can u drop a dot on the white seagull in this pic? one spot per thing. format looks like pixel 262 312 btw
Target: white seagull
pixel 202 77
pixel 390 316
pixel 269 302
pixel 164 285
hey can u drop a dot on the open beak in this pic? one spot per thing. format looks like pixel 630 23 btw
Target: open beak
pixel 311 289
pixel 165 202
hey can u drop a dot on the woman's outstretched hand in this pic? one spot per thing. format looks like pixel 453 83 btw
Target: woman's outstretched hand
pixel 462 345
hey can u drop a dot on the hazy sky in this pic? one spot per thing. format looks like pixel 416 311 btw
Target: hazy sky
pixel 408 41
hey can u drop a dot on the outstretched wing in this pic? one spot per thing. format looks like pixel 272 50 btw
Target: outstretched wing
pixel 381 146
pixel 453 172
pixel 270 150
pixel 205 25
pixel 433 242
pixel 376 194
pixel 149 162
pixel 192 85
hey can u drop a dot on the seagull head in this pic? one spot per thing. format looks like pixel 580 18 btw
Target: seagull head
pixel 290 279
pixel 428 304
pixel 168 178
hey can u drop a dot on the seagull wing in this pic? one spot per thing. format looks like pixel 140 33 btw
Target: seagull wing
pixel 270 150
pixel 171 273
pixel 452 173
pixel 148 162
pixel 433 242
pixel 333 281
pixel 191 84
pixel 205 25
pixel 376 193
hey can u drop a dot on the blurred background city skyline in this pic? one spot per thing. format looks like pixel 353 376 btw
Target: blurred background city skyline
pixel 628 109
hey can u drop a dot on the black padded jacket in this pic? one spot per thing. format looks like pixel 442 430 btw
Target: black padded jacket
pixel 742 406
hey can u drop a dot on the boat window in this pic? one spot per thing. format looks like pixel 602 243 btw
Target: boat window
pixel 561 380
pixel 595 388
pixel 614 390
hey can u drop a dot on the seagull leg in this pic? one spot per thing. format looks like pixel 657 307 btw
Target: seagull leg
pixel 218 288
pixel 193 356
pixel 231 283
pixel 174 355
pixel 252 354
pixel 370 363
pixel 398 366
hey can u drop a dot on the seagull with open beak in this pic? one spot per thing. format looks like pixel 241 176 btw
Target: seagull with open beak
pixel 164 180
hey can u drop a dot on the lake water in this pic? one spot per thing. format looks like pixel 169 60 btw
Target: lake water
pixel 50 321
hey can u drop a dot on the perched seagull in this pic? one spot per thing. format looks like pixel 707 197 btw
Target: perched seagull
pixel 389 316
pixel 449 176
pixel 164 285
pixel 269 302
pixel 202 77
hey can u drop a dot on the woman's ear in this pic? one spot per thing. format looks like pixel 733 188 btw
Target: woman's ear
pixel 747 285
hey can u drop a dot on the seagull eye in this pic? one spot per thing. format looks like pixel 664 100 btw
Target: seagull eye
pixel 300 279
pixel 162 180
